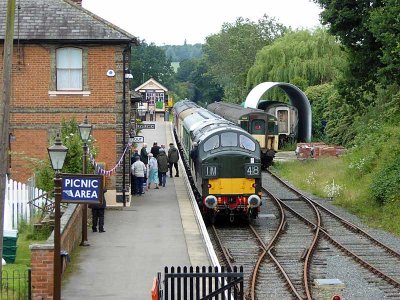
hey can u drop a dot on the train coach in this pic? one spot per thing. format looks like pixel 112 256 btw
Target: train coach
pixel 223 160
pixel 261 125
pixel 287 118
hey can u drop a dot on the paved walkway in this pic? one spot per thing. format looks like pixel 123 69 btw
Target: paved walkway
pixel 158 229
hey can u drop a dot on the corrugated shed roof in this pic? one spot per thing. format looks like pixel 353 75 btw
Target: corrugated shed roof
pixel 59 20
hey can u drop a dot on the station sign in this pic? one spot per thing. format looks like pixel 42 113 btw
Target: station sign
pixel 146 126
pixel 80 188
pixel 136 139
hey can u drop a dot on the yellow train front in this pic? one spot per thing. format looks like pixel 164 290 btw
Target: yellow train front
pixel 224 161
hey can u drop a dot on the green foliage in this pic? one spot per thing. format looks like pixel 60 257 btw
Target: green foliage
pixel 350 189
pixel 318 96
pixel 384 23
pixel 230 53
pixel 195 84
pixel 385 186
pixel 303 58
pixel 150 61
pixel 179 53
pixel 73 162
pixel 369 32
pixel 349 20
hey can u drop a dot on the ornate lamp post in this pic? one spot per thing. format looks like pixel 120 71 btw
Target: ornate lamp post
pixel 84 130
pixel 57 154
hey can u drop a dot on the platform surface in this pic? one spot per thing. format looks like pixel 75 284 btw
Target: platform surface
pixel 154 230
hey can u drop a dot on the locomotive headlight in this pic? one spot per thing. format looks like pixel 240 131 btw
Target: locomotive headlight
pixel 254 201
pixel 210 201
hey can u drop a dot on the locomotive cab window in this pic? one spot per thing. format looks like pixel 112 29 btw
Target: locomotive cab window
pixel 211 143
pixel 244 125
pixel 247 143
pixel 229 139
pixel 258 127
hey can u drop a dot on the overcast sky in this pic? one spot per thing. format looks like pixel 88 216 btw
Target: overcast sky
pixel 170 22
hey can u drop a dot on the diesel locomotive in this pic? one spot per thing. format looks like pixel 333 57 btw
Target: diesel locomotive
pixel 223 160
pixel 261 125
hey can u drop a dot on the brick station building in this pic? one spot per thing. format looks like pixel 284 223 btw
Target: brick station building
pixel 67 63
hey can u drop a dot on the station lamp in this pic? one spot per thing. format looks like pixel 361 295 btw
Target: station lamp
pixel 57 154
pixel 85 129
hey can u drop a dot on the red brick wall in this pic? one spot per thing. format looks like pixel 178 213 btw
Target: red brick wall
pixel 34 112
pixel 42 255
pixel 29 144
pixel 42 273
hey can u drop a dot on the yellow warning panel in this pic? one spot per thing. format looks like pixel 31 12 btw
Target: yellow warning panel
pixel 235 186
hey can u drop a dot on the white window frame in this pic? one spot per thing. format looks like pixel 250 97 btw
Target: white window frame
pixel 69 67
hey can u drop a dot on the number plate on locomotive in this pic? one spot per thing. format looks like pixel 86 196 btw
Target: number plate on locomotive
pixel 210 171
pixel 252 170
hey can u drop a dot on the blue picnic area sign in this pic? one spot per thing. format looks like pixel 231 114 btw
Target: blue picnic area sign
pixel 80 188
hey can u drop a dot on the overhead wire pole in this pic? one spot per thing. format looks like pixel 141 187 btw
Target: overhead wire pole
pixel 5 112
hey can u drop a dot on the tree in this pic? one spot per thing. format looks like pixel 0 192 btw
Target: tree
pixel 200 86
pixel 299 57
pixel 73 162
pixel 349 20
pixel 230 53
pixel 384 23
pixel 150 61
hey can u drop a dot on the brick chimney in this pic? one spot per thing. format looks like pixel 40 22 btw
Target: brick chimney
pixel 78 2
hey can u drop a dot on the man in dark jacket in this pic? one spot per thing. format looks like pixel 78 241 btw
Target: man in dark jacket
pixel 155 149
pixel 98 214
pixel 173 157
pixel 133 178
pixel 162 161
pixel 144 156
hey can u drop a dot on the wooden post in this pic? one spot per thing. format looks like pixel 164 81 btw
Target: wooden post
pixel 5 112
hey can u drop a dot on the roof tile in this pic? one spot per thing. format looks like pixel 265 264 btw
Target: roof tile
pixel 59 19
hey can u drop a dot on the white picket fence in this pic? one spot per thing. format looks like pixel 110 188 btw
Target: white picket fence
pixel 16 204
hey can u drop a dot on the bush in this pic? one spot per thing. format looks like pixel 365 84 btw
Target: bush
pixel 385 186
pixel 73 162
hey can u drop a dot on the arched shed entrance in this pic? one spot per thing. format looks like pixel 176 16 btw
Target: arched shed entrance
pixel 296 98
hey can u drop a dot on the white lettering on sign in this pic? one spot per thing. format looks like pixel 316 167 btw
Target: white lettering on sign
pixel 211 171
pixel 136 139
pixel 86 194
pixel 82 183
pixel 252 170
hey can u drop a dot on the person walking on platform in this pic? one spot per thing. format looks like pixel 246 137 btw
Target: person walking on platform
pixel 133 178
pixel 151 113
pixel 173 157
pixel 144 156
pixel 138 170
pixel 194 153
pixel 153 171
pixel 98 214
pixel 155 149
pixel 162 161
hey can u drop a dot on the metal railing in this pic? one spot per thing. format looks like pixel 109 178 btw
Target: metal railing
pixel 202 283
pixel 16 285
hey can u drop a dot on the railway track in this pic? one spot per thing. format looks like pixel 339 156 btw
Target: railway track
pixel 381 261
pixel 276 263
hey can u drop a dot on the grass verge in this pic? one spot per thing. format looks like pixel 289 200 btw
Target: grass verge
pixel 328 178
